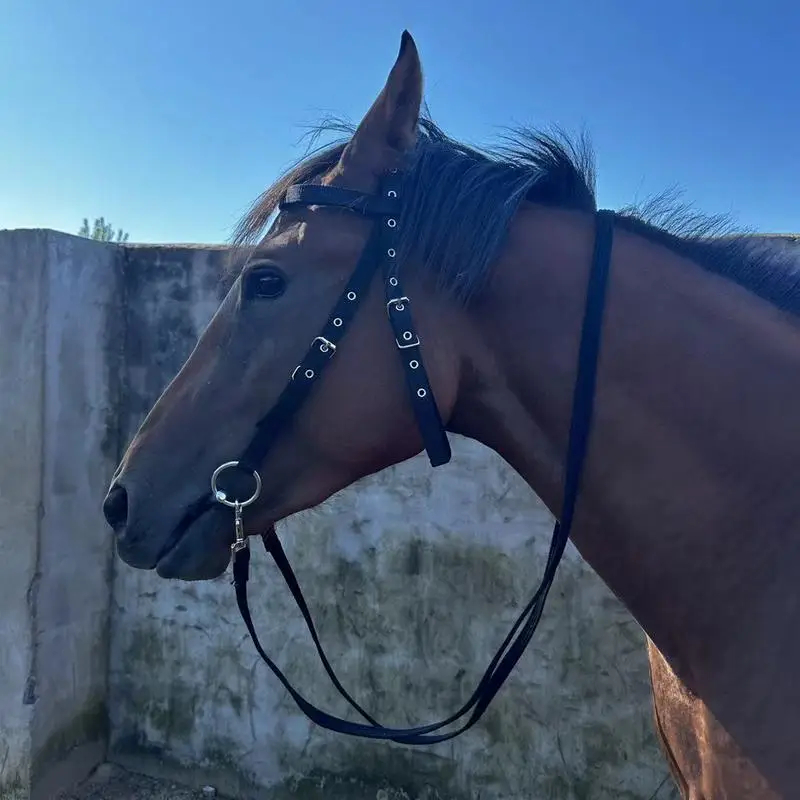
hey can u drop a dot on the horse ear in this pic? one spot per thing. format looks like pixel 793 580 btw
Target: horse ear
pixel 389 128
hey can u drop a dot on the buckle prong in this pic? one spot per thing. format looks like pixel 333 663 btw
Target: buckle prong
pixel 396 303
pixel 325 345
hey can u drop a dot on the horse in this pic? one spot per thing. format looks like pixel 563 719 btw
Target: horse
pixel 637 371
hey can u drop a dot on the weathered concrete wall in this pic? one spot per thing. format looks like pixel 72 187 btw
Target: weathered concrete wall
pixel 414 577
pixel 22 290
pixel 59 305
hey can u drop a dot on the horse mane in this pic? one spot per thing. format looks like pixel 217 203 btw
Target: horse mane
pixel 460 200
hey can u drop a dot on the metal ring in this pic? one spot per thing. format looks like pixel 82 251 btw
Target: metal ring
pixel 220 496
pixel 351 295
pixel 392 193
pixel 391 223
pixel 391 253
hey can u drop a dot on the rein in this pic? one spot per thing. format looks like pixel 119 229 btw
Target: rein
pixel 380 251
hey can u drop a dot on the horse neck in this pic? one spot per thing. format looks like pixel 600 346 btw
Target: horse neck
pixel 687 503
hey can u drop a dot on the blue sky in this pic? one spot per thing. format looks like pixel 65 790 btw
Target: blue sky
pixel 169 117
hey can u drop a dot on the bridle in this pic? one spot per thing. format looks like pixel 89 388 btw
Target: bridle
pixel 381 251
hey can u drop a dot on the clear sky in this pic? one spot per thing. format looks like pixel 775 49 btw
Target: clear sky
pixel 168 117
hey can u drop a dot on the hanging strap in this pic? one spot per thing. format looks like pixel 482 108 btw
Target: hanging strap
pixel 523 629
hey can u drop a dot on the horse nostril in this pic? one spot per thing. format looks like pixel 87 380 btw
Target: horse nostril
pixel 115 507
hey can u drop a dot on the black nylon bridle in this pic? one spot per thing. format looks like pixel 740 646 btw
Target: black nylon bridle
pixel 381 251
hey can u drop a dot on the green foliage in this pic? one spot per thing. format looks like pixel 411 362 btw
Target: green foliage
pixel 102 231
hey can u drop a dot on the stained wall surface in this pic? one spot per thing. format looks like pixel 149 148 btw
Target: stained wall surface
pixel 414 577
pixel 59 369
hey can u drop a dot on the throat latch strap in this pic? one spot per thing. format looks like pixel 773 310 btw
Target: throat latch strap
pixel 407 340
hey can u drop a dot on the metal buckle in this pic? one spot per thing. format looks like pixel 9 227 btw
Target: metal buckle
pixel 325 345
pixel 397 302
pixel 414 342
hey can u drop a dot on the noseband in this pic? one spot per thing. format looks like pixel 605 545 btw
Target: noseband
pixel 381 251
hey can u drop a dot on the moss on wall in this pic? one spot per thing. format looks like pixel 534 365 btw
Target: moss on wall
pixel 413 576
pixel 91 725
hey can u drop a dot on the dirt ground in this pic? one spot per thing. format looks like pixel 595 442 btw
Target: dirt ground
pixel 110 782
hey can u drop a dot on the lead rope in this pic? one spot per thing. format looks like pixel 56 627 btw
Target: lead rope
pixel 512 648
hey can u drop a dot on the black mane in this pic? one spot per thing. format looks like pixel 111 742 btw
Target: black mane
pixel 460 200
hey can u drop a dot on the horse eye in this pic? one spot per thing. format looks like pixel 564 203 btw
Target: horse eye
pixel 265 282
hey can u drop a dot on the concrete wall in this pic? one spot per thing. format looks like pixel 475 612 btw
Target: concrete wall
pixel 22 275
pixel 414 577
pixel 59 325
